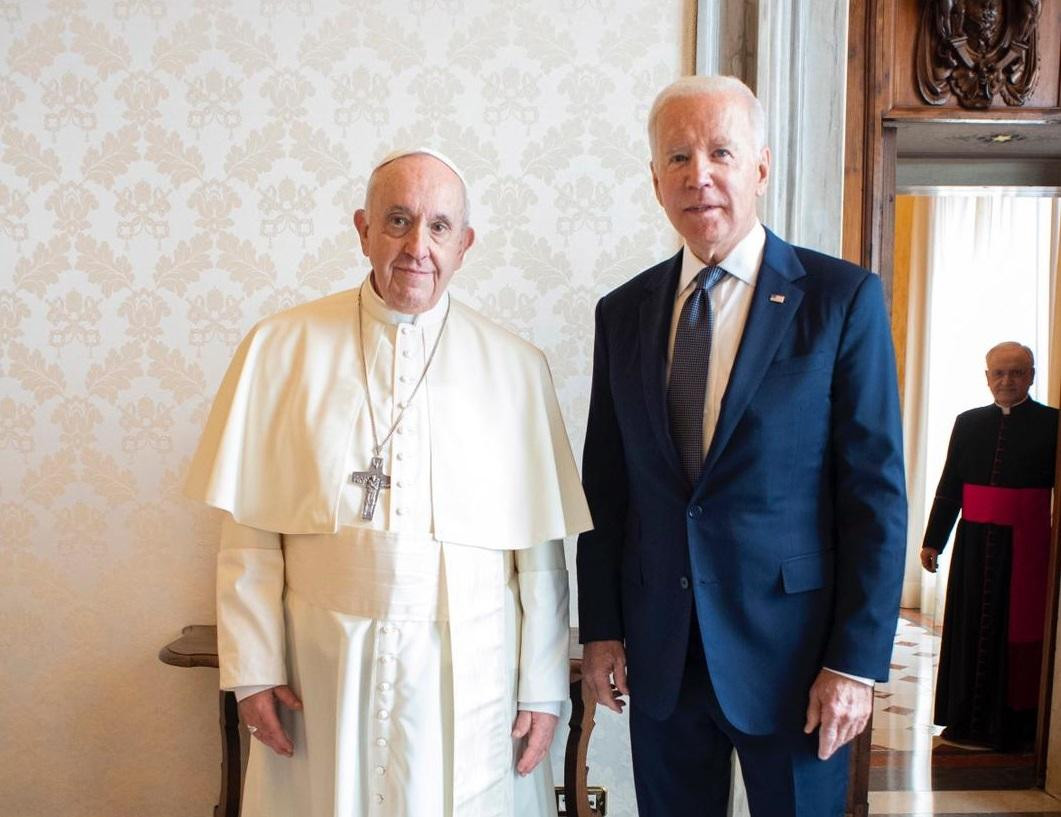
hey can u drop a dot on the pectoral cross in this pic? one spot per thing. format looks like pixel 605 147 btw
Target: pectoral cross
pixel 374 481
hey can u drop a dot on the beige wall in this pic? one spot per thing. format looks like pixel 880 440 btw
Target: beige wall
pixel 170 172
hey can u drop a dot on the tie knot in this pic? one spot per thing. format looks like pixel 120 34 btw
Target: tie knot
pixel 708 277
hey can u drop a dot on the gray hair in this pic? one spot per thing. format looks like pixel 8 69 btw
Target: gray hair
pixel 393 156
pixel 709 85
pixel 1009 346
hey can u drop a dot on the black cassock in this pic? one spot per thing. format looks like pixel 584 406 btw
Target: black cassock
pixel 998 475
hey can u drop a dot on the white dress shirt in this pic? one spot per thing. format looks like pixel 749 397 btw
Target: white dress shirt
pixel 731 298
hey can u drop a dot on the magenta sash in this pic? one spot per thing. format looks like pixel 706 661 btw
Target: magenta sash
pixel 1027 512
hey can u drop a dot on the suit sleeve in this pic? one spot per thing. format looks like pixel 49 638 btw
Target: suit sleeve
pixel 250 610
pixel 948 502
pixel 598 561
pixel 868 488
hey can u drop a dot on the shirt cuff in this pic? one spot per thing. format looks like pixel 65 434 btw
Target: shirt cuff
pixel 867 681
pixel 247 691
pixel 545 707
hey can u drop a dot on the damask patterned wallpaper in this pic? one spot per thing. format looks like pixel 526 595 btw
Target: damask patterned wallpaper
pixel 169 173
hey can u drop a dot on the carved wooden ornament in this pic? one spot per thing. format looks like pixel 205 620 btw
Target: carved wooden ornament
pixel 977 49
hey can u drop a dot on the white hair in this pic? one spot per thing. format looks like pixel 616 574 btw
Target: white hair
pixel 1009 346
pixel 709 85
pixel 394 155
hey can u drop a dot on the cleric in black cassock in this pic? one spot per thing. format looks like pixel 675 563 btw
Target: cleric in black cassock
pixel 999 473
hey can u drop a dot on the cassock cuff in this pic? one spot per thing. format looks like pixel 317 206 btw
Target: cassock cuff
pixel 545 707
pixel 247 691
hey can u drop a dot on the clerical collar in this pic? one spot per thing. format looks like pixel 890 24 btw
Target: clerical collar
pixel 1008 409
pixel 742 263
pixel 375 306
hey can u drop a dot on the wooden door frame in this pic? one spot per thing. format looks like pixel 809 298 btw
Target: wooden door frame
pixel 869 215
pixel 870 158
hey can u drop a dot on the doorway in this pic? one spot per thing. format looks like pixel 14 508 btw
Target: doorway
pixel 973 265
pixel 894 138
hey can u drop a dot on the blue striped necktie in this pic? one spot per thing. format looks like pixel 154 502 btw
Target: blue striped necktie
pixel 688 372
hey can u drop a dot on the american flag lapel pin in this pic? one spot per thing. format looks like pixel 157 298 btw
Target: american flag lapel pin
pixel 777 298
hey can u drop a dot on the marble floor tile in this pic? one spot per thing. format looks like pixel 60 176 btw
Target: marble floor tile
pixel 981 814
pixel 961 802
pixel 902 717
pixel 912 774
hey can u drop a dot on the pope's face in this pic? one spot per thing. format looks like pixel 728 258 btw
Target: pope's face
pixel 708 171
pixel 1009 375
pixel 413 231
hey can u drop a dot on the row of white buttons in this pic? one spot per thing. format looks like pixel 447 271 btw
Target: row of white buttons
pixel 404 346
pixel 388 660
pixel 386 639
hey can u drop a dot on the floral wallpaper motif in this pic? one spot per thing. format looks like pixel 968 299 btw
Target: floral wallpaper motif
pixel 170 173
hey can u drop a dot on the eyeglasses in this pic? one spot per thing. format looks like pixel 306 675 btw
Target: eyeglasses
pixel 998 374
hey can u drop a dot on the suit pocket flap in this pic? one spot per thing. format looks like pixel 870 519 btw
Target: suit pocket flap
pixel 796 365
pixel 808 572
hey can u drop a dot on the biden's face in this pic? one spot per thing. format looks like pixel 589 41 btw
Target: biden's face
pixel 413 231
pixel 708 170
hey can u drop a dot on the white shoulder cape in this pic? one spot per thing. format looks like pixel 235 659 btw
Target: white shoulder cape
pixel 276 446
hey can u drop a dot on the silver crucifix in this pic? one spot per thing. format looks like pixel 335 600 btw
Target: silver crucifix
pixel 374 481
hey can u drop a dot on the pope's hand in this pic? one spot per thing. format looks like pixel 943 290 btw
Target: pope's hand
pixel 841 707
pixel 258 712
pixel 537 729
pixel 929 559
pixel 604 672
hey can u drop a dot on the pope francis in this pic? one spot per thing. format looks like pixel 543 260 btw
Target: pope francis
pixel 391 590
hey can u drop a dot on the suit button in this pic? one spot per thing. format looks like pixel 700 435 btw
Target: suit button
pixel 695 512
pixel 684 582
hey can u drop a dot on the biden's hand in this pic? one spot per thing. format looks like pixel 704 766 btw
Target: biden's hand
pixel 840 707
pixel 604 672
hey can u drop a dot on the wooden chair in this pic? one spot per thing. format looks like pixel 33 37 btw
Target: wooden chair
pixel 197 647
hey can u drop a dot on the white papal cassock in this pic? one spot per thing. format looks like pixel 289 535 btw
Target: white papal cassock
pixel 411 637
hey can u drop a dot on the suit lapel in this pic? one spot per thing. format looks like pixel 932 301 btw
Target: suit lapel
pixel 768 319
pixel 657 309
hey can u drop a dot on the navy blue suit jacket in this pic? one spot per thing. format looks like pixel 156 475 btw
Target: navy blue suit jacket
pixel 792 538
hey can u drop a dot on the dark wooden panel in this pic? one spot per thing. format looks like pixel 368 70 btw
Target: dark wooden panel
pixel 855 136
pixel 908 14
pixel 871 44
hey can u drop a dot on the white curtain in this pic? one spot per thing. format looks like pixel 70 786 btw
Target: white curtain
pixel 983 269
